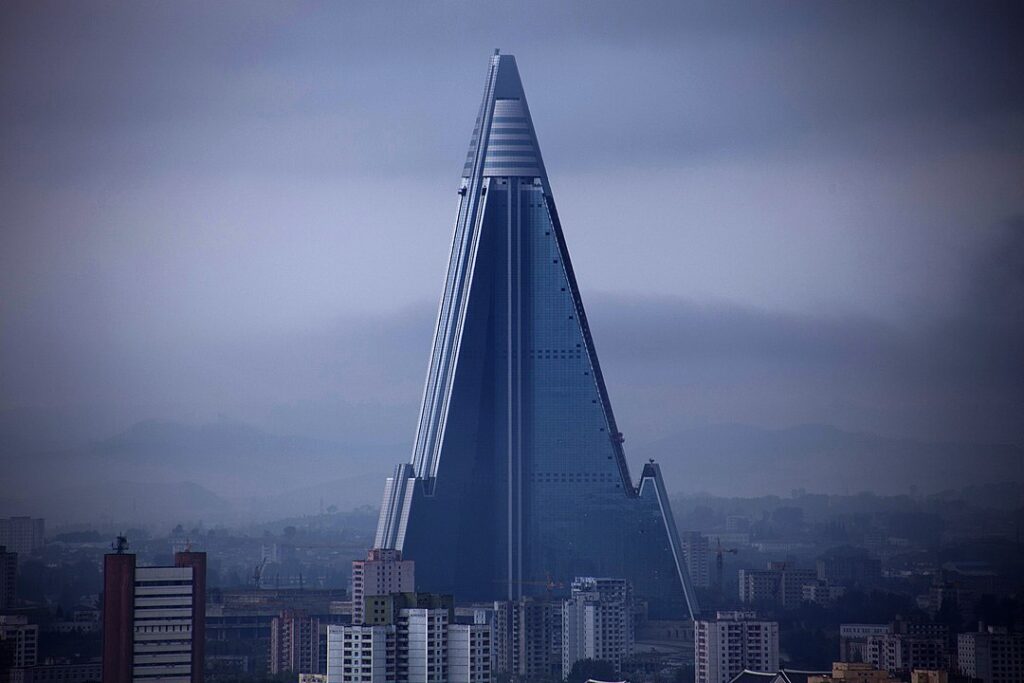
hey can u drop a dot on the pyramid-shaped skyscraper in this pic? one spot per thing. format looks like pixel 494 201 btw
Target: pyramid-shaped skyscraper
pixel 518 481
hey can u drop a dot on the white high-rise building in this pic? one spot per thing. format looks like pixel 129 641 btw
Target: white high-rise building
pixel 469 653
pixel 421 646
pixel 363 654
pixel 732 642
pixel 383 572
pixel 597 622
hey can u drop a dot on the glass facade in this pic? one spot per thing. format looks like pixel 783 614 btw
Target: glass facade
pixel 518 479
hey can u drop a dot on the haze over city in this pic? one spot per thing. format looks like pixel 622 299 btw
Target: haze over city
pixel 700 363
pixel 780 216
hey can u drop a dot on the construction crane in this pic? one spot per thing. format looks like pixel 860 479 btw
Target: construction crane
pixel 257 573
pixel 719 562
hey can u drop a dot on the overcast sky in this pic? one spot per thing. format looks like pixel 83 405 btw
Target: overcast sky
pixel 778 213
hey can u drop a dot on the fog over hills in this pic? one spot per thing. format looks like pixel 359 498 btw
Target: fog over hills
pixel 742 460
pixel 249 213
pixel 219 471
pixel 225 471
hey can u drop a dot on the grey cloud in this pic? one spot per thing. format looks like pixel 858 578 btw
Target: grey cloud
pixel 787 205
pixel 669 363
pixel 242 83
pixel 997 285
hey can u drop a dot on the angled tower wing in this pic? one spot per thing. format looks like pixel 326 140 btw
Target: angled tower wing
pixel 518 477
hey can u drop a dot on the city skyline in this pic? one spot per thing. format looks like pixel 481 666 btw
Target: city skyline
pixel 724 387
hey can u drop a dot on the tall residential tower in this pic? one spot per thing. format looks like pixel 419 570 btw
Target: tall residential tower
pixel 154 619
pixel 518 477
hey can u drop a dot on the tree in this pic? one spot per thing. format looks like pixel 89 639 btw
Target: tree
pixel 585 669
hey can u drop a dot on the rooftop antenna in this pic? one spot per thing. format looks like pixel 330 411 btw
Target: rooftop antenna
pixel 120 545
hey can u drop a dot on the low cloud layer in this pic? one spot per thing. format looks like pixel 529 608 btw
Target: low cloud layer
pixel 670 364
pixel 778 214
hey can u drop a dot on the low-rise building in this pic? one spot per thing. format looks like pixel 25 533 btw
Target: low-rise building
pixel 991 655
pixel 848 566
pixel 22 535
pixel 902 652
pixel 84 672
pixel 20 638
pixel 8 577
pixel 822 593
pixel 854 672
pixel 951 596
pixel 853 640
pixel 780 676
pixel 898 647
pixel 780 584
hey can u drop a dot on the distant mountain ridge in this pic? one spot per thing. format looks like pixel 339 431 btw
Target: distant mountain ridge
pixel 730 459
pixel 159 470
pixel 217 471
pixel 164 433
